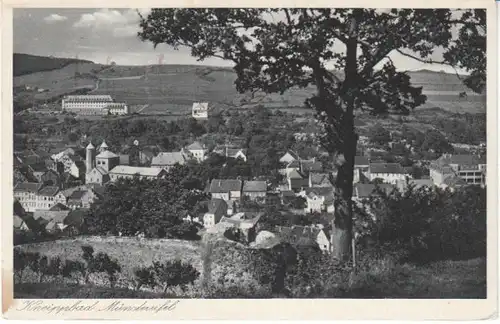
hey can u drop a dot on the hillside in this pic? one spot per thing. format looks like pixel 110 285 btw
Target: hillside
pixel 27 63
pixel 173 88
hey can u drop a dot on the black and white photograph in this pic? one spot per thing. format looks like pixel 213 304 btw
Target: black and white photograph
pixel 249 153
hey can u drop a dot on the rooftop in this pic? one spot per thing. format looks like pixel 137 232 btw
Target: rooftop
pixel 216 204
pixel 394 168
pixel 320 179
pixel 255 186
pixel 28 186
pixel 225 185
pixel 196 146
pixel 361 160
pixel 365 190
pixel 48 191
pixel 131 170
pixel 168 159
pixel 106 155
pixel 294 174
pixel 461 159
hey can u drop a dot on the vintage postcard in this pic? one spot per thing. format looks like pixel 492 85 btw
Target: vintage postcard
pixel 261 161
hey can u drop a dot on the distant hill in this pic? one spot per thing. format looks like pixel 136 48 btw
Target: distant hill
pixel 174 88
pixel 27 63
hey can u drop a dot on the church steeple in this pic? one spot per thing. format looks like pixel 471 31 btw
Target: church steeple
pixel 90 157
pixel 103 147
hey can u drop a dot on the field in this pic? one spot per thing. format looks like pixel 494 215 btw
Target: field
pixel 129 252
pixel 171 89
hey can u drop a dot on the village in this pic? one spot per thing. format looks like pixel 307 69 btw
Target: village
pixel 53 192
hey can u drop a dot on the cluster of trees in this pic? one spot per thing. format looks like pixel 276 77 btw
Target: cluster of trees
pixel 154 208
pixel 426 224
pixel 54 267
pixel 464 128
pixel 169 274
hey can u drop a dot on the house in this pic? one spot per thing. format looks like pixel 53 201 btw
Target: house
pixel 166 160
pixel 226 189
pixel 388 172
pixel 255 190
pixel 200 110
pixel 98 176
pixel 197 151
pixel 470 168
pixel 310 166
pixel 77 199
pixel 319 180
pixel 289 156
pixel 237 153
pixel 217 208
pixel 306 236
pixel 246 223
pixel 128 172
pixel 38 170
pixel 59 207
pixel 74 221
pixel 296 181
pixel 318 199
pixel 26 194
pixel 52 220
pixel 145 157
pixel 46 197
pixel 292 166
pixel 363 191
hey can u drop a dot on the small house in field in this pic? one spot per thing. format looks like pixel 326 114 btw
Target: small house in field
pixel 200 110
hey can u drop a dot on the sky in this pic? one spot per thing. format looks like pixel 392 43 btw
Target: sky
pixel 105 35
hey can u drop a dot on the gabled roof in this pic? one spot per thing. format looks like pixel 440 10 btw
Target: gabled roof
pixel 216 204
pixel 294 174
pixel 320 179
pixel 103 145
pixel 254 186
pixel 232 152
pixel 460 159
pixel 454 181
pixel 393 168
pixel 49 215
pixel 106 155
pixel 77 194
pixel 361 160
pixel 200 105
pixel 168 159
pixel 28 187
pixel 299 235
pixel 225 185
pixel 292 154
pixel 48 191
pixel 326 192
pixel 196 146
pixel 59 207
pixel 132 170
pixel 90 146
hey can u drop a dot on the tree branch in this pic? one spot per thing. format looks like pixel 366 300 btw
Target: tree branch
pixel 430 62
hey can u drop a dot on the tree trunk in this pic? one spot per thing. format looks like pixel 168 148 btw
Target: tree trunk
pixel 341 236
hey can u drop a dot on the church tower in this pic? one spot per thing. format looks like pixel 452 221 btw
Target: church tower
pixel 90 157
pixel 103 147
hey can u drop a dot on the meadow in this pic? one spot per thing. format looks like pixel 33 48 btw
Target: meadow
pixel 172 89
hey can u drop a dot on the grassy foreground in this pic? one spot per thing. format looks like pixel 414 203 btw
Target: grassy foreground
pixel 443 279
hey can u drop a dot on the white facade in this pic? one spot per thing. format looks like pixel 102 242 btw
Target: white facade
pixel 93 105
pixel 391 178
pixel 200 110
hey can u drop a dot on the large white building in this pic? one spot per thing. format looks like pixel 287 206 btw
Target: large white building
pixel 93 105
